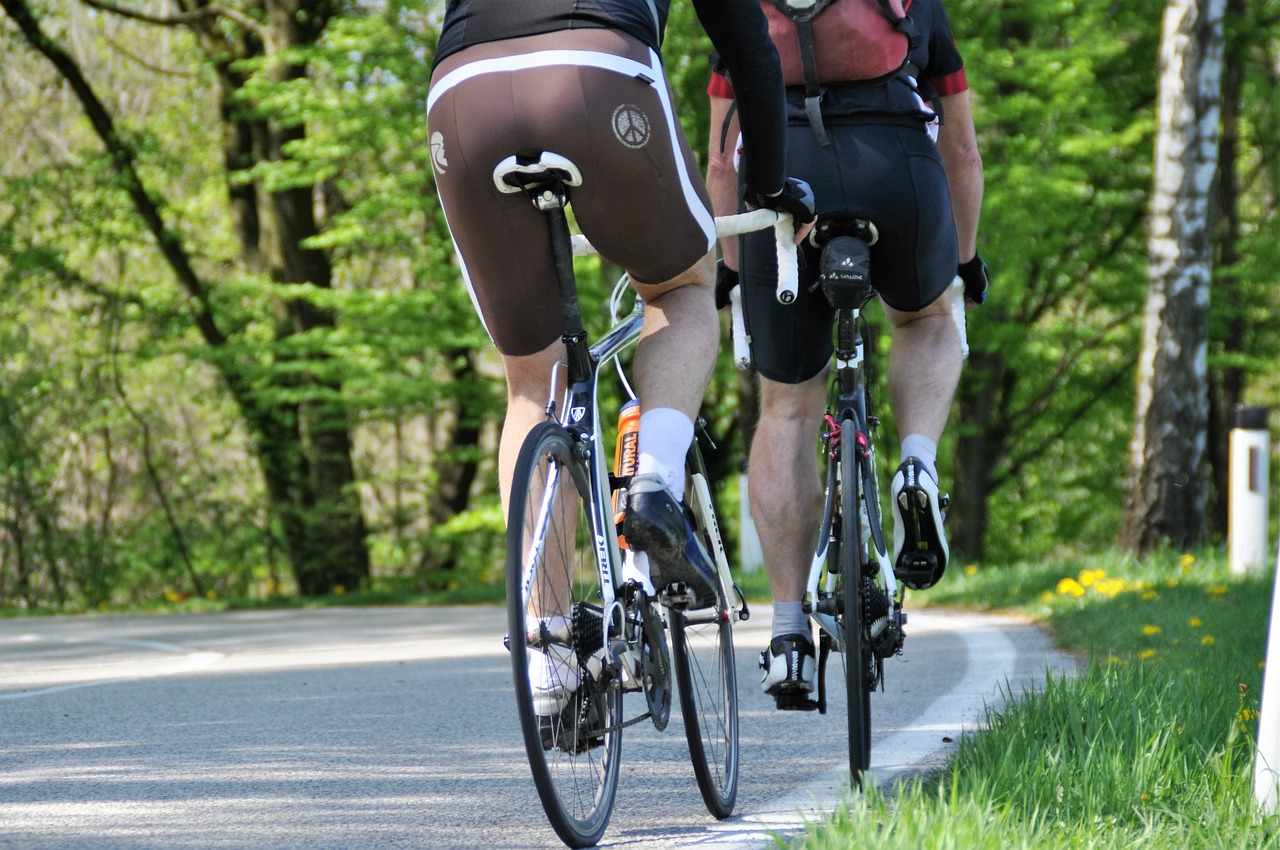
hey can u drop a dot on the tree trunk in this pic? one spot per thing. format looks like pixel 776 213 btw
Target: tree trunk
pixel 1167 484
pixel 311 487
pixel 1227 383
pixel 980 447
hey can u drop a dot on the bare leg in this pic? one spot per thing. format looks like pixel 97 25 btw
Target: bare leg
pixel 785 489
pixel 924 367
pixel 678 345
pixel 528 386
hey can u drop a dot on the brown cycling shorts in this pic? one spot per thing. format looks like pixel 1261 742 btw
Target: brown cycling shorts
pixel 597 97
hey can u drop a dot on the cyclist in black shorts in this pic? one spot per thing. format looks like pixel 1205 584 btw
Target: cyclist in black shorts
pixel 885 158
pixel 582 79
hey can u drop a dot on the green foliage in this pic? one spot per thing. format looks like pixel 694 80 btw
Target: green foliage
pixel 392 352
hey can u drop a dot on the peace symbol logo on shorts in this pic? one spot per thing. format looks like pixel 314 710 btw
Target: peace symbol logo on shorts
pixel 631 125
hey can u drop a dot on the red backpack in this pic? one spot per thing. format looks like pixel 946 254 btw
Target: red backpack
pixel 838 41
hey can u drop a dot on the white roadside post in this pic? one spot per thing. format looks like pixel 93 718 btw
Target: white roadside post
pixel 1266 762
pixel 1247 489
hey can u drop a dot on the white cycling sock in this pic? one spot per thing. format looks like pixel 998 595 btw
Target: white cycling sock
pixel 789 619
pixel 548 672
pixel 923 449
pixel 665 435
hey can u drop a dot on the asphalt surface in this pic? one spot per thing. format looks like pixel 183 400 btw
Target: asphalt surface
pixel 394 727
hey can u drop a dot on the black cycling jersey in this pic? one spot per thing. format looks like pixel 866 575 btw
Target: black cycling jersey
pixel 737 28
pixel 937 57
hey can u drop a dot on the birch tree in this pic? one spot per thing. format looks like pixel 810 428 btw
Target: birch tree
pixel 1168 485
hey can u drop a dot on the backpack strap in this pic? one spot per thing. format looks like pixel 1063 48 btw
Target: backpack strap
pixel 907 27
pixel 812 91
pixel 728 122
pixel 802 15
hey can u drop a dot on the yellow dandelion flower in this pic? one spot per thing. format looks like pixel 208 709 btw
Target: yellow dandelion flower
pixel 1091 577
pixel 1187 561
pixel 971 569
pixel 1144 797
pixel 1146 654
pixel 1070 587
pixel 1151 631
pixel 1217 591
pixel 1111 587
pixel 1208 640
pixel 1195 622
pixel 1149 596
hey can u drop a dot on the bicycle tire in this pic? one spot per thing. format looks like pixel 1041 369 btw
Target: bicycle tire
pixel 552 743
pixel 710 724
pixel 857 653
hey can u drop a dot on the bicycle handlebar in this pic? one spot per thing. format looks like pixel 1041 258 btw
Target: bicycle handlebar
pixel 784 234
pixel 736 225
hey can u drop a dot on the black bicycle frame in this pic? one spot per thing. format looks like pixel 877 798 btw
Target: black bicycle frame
pixel 579 414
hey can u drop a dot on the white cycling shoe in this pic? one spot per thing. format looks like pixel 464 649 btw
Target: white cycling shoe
pixel 789 672
pixel 920 550
pixel 552 681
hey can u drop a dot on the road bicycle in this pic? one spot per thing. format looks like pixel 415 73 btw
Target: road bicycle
pixel 853 596
pixel 572 616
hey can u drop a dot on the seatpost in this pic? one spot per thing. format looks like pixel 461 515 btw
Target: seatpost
pixel 551 200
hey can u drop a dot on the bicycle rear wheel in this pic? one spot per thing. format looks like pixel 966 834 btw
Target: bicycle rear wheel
pixel 702 653
pixel 555 616
pixel 857 654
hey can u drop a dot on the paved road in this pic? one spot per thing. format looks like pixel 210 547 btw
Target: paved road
pixel 387 728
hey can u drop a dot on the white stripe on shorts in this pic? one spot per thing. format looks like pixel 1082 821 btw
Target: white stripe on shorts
pixel 609 62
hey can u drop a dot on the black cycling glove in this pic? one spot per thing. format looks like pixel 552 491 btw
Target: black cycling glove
pixel 796 198
pixel 726 280
pixel 977 280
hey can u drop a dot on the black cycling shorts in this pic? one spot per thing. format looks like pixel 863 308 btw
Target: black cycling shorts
pixel 889 174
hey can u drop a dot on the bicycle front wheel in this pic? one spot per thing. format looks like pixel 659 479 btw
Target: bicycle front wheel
pixel 702 654
pixel 570 709
pixel 857 654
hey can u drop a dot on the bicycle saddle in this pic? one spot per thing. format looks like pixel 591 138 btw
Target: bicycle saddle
pixel 527 169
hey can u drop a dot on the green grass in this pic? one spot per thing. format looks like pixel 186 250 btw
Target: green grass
pixel 1150 746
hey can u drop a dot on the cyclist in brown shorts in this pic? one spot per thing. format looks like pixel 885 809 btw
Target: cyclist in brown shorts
pixel 582 79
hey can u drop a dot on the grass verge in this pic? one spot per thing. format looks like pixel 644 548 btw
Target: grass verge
pixel 1151 745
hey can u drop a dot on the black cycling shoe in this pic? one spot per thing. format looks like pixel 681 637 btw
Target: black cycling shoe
pixel 659 526
pixel 789 670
